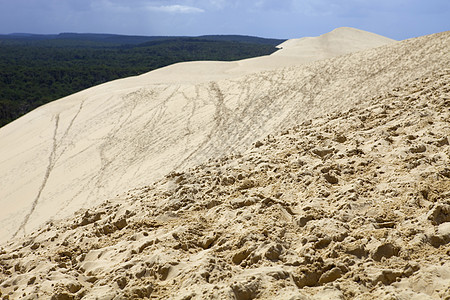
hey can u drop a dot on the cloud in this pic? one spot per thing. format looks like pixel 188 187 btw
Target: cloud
pixel 136 6
pixel 182 9
pixel 286 18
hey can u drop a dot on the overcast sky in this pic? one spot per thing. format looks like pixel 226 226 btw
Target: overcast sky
pixel 398 19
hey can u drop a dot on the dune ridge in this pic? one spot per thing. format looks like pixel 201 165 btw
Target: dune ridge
pixel 293 52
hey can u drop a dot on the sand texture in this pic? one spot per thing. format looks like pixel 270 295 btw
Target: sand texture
pixel 98 143
pixel 328 178
pixel 351 205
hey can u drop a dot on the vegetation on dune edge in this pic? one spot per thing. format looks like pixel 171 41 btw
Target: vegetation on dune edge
pixel 36 71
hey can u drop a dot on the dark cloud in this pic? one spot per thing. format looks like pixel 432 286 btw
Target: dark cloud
pixel 291 18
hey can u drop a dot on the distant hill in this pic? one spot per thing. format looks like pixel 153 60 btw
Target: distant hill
pixel 119 40
pixel 243 39
pixel 36 69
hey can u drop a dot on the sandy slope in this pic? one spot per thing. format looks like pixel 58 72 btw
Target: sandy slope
pixel 293 52
pixel 354 204
pixel 76 151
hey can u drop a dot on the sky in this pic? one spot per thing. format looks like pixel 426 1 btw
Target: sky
pixel 397 19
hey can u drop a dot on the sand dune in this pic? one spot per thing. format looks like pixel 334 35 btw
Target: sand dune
pixel 71 153
pixel 319 172
pixel 353 204
pixel 293 52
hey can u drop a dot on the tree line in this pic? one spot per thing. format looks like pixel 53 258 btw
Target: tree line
pixel 34 72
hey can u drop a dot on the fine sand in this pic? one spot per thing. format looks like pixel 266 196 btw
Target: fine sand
pixel 326 179
pixel 73 153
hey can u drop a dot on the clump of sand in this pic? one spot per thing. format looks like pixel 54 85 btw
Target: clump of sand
pixel 352 204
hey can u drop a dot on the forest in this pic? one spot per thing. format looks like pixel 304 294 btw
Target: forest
pixel 37 69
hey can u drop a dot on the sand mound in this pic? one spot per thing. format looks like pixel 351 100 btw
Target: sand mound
pixel 337 42
pixel 353 204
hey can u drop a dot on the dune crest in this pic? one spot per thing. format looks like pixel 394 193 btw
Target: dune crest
pixel 340 41
pixel 292 53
